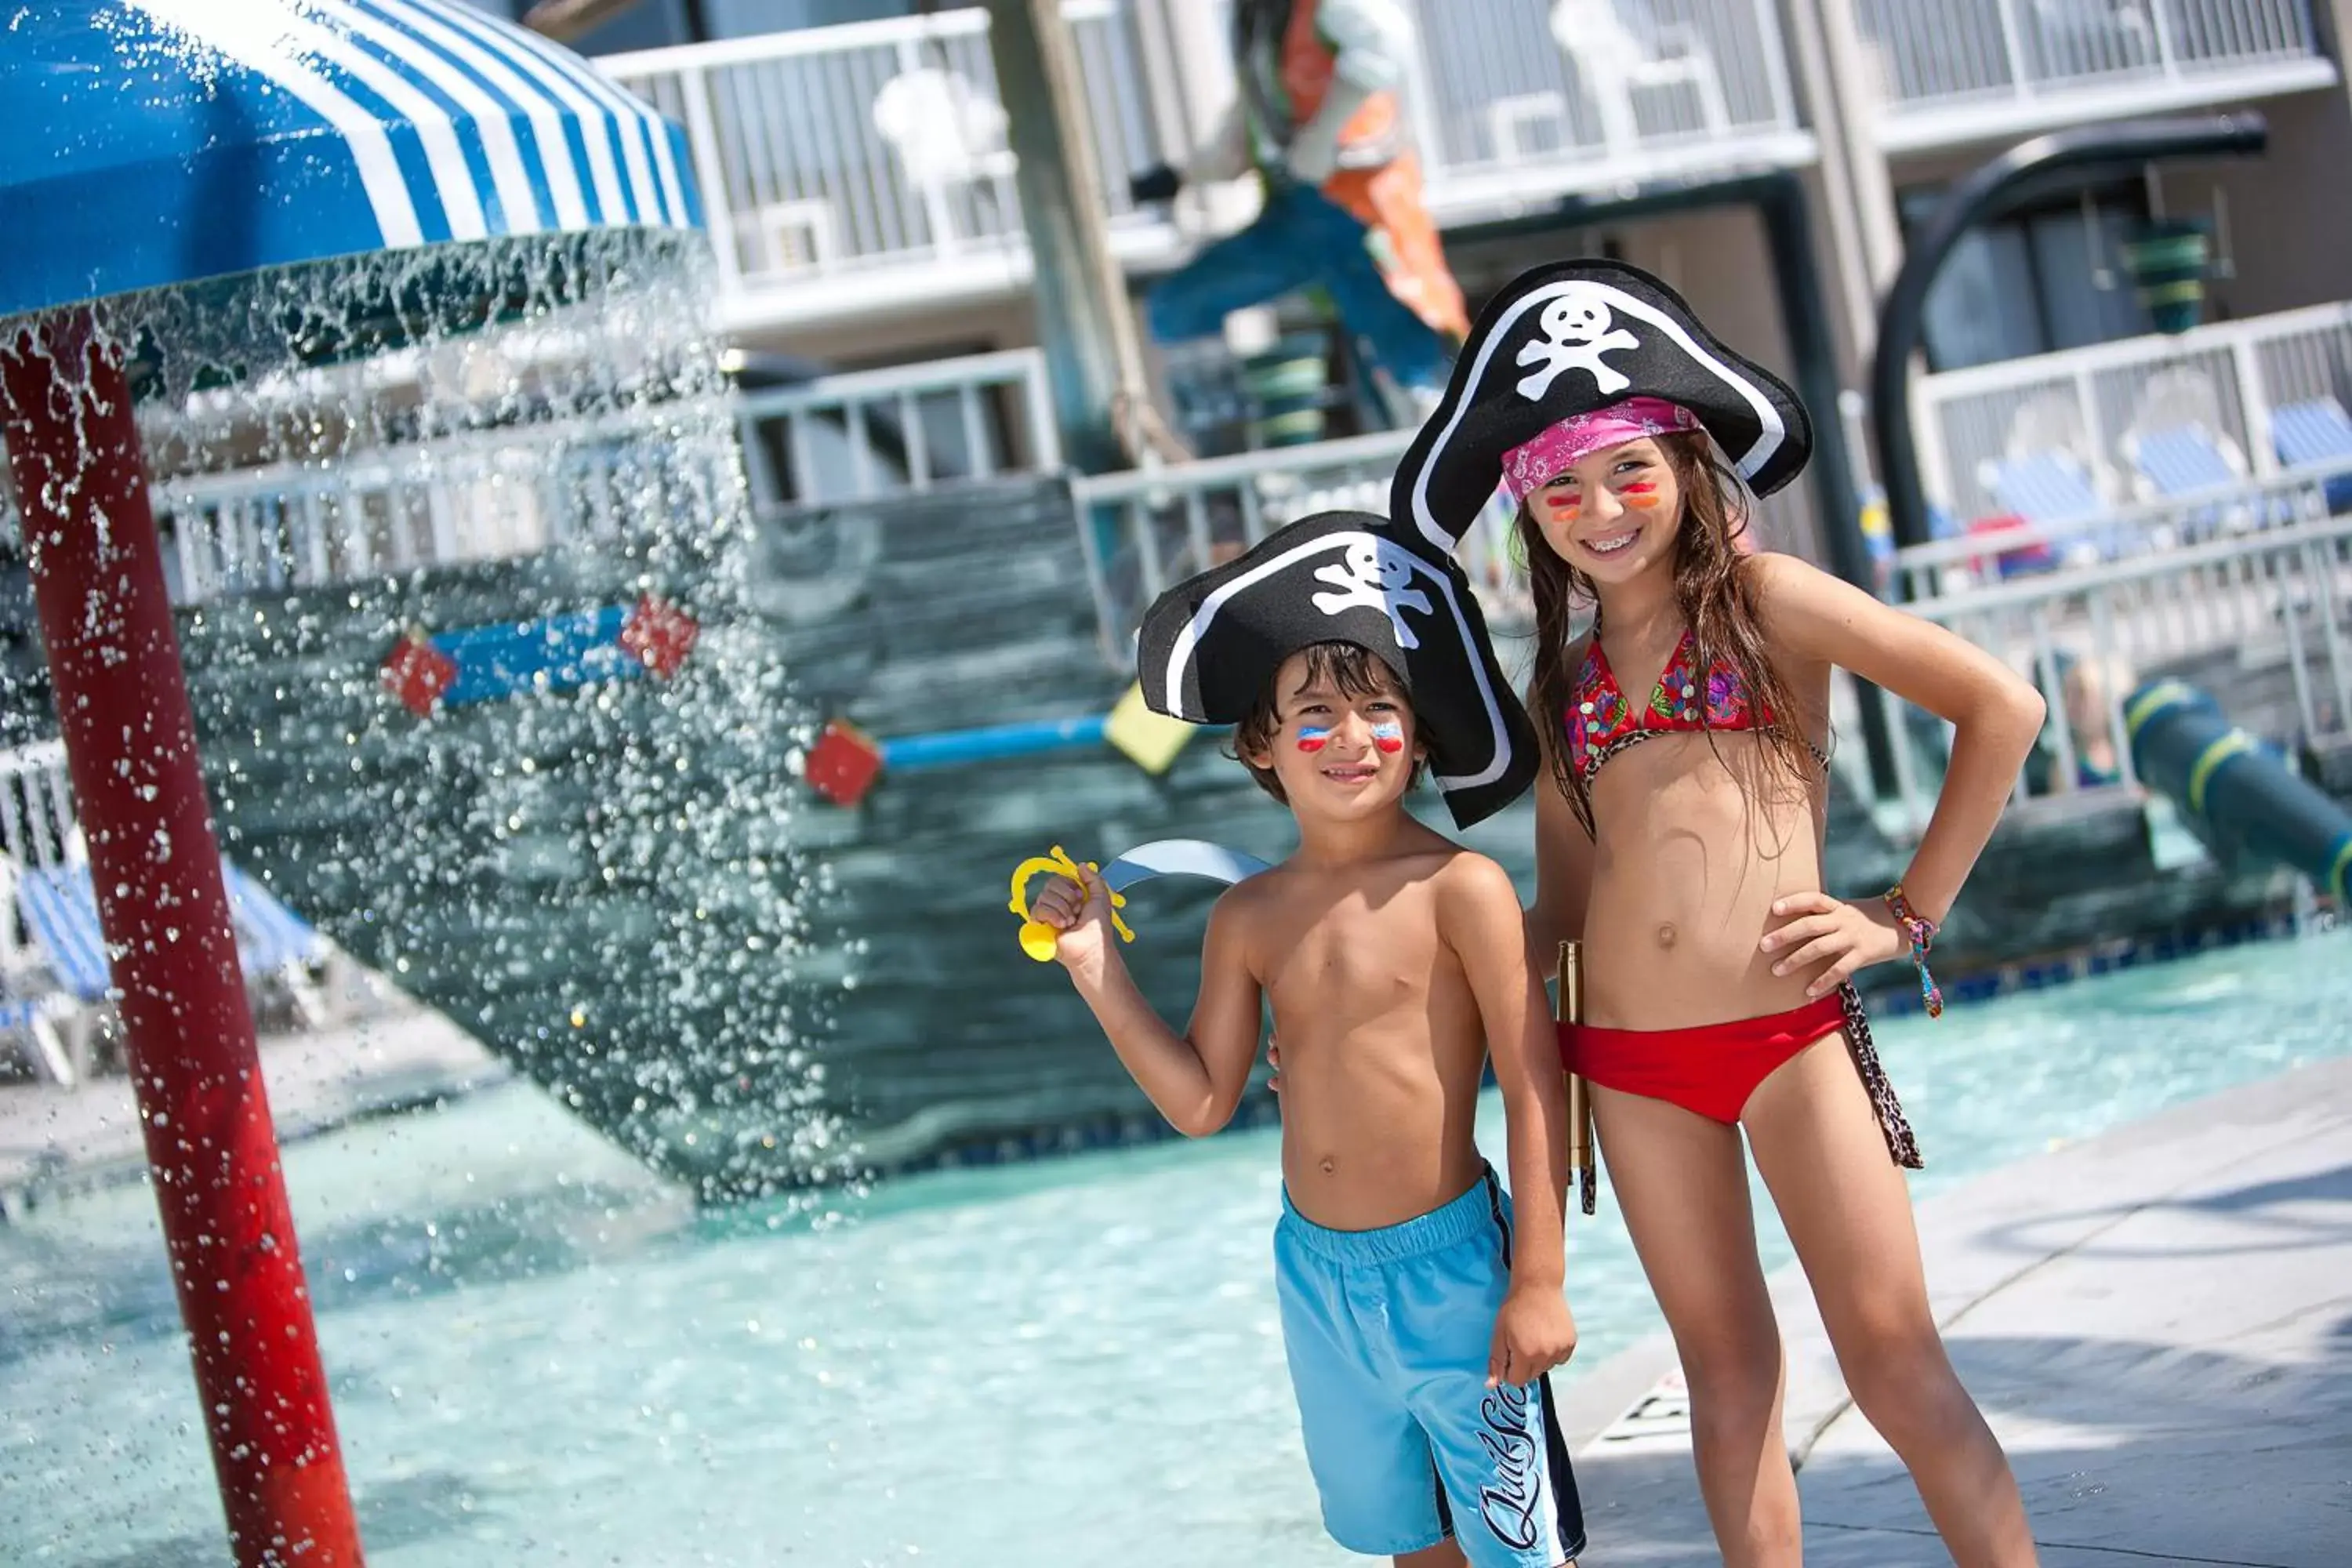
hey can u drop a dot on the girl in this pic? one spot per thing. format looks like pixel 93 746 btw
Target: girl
pixel 1679 838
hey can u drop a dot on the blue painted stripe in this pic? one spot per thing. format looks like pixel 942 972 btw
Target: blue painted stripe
pixel 554 653
pixel 994 743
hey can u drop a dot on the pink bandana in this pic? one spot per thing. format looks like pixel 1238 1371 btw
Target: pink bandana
pixel 1527 469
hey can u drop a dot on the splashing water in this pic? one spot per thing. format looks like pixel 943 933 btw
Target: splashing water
pixel 592 871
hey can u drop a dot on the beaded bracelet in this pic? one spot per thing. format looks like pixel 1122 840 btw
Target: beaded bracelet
pixel 1921 933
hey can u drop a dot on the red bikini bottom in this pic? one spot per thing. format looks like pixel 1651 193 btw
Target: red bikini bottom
pixel 1713 1069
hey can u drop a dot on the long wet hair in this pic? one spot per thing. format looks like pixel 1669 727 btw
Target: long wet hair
pixel 1717 599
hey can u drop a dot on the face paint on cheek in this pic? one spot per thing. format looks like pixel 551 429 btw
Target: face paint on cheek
pixel 1567 505
pixel 1311 739
pixel 1389 736
pixel 1642 494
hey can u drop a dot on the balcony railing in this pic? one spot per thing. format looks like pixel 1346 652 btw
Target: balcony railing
pixel 518 490
pixel 1147 529
pixel 1517 100
pixel 831 156
pixel 2086 434
pixel 867 167
pixel 1950 70
pixel 2269 609
pixel 485 495
pixel 865 434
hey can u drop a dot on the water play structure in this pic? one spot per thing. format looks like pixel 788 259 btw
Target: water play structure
pixel 202 189
pixel 2237 792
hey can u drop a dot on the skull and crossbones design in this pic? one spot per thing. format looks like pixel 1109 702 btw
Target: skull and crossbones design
pixel 1374 574
pixel 1577 330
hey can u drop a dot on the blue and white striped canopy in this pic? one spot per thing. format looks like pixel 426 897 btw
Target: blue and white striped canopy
pixel 151 142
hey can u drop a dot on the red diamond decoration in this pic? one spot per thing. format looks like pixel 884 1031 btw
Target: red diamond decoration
pixel 418 673
pixel 843 763
pixel 659 634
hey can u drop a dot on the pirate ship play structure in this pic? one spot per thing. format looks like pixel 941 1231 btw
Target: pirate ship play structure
pixel 518 675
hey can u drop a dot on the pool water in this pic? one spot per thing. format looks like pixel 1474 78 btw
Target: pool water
pixel 541 1357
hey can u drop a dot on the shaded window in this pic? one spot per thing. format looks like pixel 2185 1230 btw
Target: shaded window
pixel 2049 278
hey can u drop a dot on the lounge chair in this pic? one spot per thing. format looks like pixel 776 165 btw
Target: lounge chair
pixel 2316 434
pixel 2184 461
pixel 55 1022
pixel 277 947
pixel 2049 488
pixel 44 1027
pixel 60 910
pixel 2189 461
pixel 278 952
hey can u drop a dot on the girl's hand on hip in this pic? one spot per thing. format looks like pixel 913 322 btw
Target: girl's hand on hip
pixel 1846 937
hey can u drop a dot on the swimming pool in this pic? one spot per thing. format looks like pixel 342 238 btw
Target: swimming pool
pixel 540 1357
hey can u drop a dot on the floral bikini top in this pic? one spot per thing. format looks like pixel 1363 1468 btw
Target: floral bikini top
pixel 1601 722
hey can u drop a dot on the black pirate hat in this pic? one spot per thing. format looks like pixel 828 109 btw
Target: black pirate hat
pixel 1567 339
pixel 1209 646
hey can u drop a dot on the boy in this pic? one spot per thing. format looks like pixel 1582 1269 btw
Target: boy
pixel 1418 1334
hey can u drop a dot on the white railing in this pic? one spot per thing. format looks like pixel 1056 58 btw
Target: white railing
pixel 36 810
pixel 2271 602
pixel 873 433
pixel 497 494
pixel 2125 422
pixel 835 150
pixel 481 496
pixel 1512 99
pixel 867 166
pixel 1146 528
pixel 1929 56
pixel 1964 565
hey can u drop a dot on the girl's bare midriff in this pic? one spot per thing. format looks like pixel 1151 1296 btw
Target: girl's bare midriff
pixel 1700 840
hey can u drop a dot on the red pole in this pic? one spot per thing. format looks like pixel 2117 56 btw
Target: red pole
pixel 130 744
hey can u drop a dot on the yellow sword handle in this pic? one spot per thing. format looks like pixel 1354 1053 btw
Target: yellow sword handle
pixel 1037 938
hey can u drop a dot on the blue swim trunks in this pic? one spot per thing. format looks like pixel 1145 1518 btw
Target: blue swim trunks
pixel 1387 1333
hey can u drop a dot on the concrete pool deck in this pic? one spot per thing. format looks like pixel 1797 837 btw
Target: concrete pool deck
pixel 2158 1322
pixel 396 1054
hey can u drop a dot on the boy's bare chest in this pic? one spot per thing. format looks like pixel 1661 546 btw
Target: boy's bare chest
pixel 1354 967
